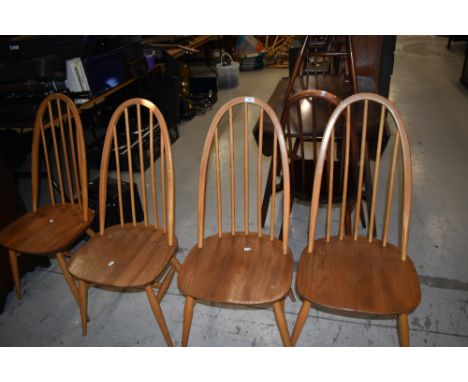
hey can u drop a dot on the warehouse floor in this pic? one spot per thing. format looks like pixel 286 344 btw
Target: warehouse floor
pixel 425 87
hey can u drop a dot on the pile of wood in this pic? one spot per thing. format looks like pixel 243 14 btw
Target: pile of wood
pixel 277 51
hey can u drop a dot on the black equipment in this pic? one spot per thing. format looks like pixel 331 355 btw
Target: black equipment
pixel 112 203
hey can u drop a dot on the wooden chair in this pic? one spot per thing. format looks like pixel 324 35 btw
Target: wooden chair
pixel 360 274
pixel 133 255
pixel 304 118
pixel 51 228
pixel 241 268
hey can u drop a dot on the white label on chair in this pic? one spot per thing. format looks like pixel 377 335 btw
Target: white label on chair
pixel 247 249
pixel 249 99
pixel 51 220
pixel 110 263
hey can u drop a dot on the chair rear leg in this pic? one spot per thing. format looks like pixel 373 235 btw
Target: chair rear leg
pixel 403 329
pixel 281 322
pixel 158 314
pixel 267 194
pixel 165 284
pixel 83 299
pixel 301 319
pixel 68 277
pixel 15 272
pixel 188 315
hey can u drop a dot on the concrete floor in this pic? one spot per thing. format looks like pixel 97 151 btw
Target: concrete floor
pixel 425 88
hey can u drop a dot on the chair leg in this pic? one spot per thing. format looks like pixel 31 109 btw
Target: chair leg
pixel 158 314
pixel 15 273
pixel 281 322
pixel 68 277
pixel 301 319
pixel 165 284
pixel 90 232
pixel 291 295
pixel 188 314
pixel 267 194
pixel 176 264
pixel 83 299
pixel 363 217
pixel 290 209
pixel 403 329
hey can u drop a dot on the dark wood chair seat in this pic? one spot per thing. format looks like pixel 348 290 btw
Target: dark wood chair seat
pixel 125 257
pixel 237 269
pixel 48 230
pixel 358 276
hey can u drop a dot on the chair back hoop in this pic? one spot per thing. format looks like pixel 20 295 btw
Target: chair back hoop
pixel 317 100
pixel 58 124
pixel 278 143
pixel 401 139
pixel 121 120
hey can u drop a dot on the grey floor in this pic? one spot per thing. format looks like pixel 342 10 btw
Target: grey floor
pixel 425 87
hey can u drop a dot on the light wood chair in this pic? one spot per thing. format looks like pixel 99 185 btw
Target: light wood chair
pixel 133 255
pixel 361 275
pixel 242 268
pixel 51 228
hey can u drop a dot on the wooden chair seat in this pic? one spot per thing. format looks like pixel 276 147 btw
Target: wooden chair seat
pixel 124 256
pixel 240 269
pixel 358 276
pixel 48 230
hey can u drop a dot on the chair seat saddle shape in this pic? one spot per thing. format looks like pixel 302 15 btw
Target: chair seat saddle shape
pixel 240 269
pixel 47 230
pixel 123 257
pixel 358 276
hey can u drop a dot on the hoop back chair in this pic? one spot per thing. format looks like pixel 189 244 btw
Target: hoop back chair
pixel 304 118
pixel 240 267
pixel 51 227
pixel 133 254
pixel 353 273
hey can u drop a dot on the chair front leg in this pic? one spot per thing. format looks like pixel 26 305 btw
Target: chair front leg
pixel 188 315
pixel 281 322
pixel 403 329
pixel 158 314
pixel 301 319
pixel 83 299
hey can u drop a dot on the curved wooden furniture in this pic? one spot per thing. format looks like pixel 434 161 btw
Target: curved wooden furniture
pixel 51 228
pixel 357 274
pixel 304 118
pixel 133 254
pixel 240 267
